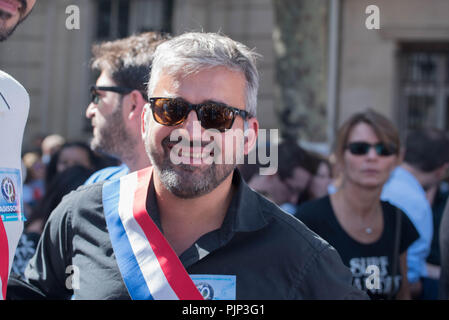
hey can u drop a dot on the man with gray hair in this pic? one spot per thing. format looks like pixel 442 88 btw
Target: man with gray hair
pixel 188 227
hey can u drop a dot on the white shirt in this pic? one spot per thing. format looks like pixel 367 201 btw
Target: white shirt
pixel 14 107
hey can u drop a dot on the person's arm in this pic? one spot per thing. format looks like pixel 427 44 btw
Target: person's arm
pixel 418 251
pixel 414 248
pixel 326 277
pixel 46 271
pixel 404 290
pixel 420 215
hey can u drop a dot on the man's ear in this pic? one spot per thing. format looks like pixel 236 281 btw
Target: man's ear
pixel 251 132
pixel 134 105
pixel 143 115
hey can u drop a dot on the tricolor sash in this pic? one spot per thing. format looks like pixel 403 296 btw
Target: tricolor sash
pixel 150 268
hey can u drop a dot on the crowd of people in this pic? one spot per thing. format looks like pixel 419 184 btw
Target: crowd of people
pixel 380 202
pixel 367 221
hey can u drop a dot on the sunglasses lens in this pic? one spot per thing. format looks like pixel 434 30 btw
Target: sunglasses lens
pixel 214 116
pixel 169 112
pixel 362 148
pixel 358 148
pixel 383 150
pixel 94 97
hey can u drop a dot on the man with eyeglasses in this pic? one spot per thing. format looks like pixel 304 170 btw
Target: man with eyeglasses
pixel 117 100
pixel 188 227
pixel 14 105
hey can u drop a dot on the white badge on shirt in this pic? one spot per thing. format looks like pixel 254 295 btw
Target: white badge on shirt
pixel 10 195
pixel 215 287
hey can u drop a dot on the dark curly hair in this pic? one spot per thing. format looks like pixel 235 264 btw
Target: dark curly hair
pixel 128 60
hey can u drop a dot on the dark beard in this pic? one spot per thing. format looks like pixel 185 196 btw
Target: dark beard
pixel 4 34
pixel 186 181
pixel 113 139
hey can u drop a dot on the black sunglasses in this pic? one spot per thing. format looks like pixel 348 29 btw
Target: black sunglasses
pixel 95 96
pixel 212 115
pixel 362 148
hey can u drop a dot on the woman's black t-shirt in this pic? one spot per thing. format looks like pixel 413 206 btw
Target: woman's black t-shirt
pixel 371 264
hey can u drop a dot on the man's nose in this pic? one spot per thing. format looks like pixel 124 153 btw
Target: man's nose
pixel 90 110
pixel 193 126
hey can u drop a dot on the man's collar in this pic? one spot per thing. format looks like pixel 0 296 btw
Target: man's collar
pixel 244 213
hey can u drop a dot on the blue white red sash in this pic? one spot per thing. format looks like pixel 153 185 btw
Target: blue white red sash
pixel 150 268
pixel 4 260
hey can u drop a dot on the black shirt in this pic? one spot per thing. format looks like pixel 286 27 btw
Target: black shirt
pixel 366 261
pixel 271 254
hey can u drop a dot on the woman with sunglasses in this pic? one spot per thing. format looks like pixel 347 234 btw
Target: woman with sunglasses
pixel 370 235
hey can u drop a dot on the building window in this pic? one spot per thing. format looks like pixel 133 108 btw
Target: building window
pixel 119 18
pixel 424 86
pixel 112 19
